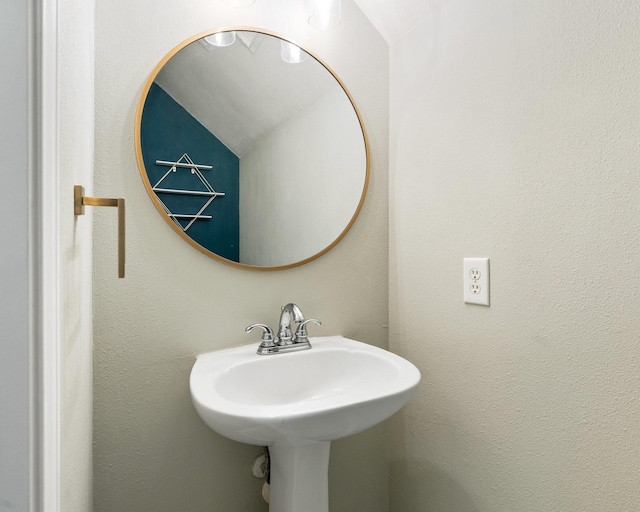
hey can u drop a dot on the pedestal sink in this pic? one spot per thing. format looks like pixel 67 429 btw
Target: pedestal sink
pixel 297 403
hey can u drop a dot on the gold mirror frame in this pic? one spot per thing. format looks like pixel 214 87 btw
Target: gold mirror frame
pixel 156 201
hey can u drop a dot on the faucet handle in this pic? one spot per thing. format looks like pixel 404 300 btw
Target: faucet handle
pixel 301 331
pixel 267 335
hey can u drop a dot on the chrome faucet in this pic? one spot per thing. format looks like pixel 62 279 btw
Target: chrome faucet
pixel 285 341
pixel 288 312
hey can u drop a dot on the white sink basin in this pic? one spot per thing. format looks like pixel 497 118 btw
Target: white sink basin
pixel 297 403
pixel 338 388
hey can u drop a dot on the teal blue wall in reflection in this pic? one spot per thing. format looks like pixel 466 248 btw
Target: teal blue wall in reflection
pixel 167 132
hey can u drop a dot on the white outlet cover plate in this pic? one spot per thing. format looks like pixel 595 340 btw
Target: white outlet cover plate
pixel 476 281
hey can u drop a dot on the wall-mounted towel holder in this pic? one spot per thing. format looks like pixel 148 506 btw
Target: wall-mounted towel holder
pixel 80 201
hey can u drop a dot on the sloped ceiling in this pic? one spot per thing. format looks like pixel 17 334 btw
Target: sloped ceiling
pixel 259 91
pixel 242 92
pixel 394 18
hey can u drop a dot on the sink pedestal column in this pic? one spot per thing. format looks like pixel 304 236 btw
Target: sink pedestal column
pixel 299 478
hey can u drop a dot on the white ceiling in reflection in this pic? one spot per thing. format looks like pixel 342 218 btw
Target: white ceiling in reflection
pixel 240 93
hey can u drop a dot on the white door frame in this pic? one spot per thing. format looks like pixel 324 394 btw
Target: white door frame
pixel 47 211
pixel 30 376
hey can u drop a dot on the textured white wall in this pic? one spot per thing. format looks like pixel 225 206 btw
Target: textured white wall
pixel 152 452
pixel 514 135
pixel 310 167
pixel 75 146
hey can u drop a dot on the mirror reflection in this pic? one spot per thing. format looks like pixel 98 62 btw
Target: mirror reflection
pixel 251 149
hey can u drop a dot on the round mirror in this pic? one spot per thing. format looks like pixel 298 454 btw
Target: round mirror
pixel 252 149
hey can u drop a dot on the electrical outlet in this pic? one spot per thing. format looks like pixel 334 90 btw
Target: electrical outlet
pixel 476 281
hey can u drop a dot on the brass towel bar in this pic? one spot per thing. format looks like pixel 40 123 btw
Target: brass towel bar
pixel 80 201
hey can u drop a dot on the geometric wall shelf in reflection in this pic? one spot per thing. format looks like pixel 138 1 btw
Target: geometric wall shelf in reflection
pixel 186 164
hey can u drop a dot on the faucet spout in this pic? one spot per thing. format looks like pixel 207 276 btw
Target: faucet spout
pixel 289 313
